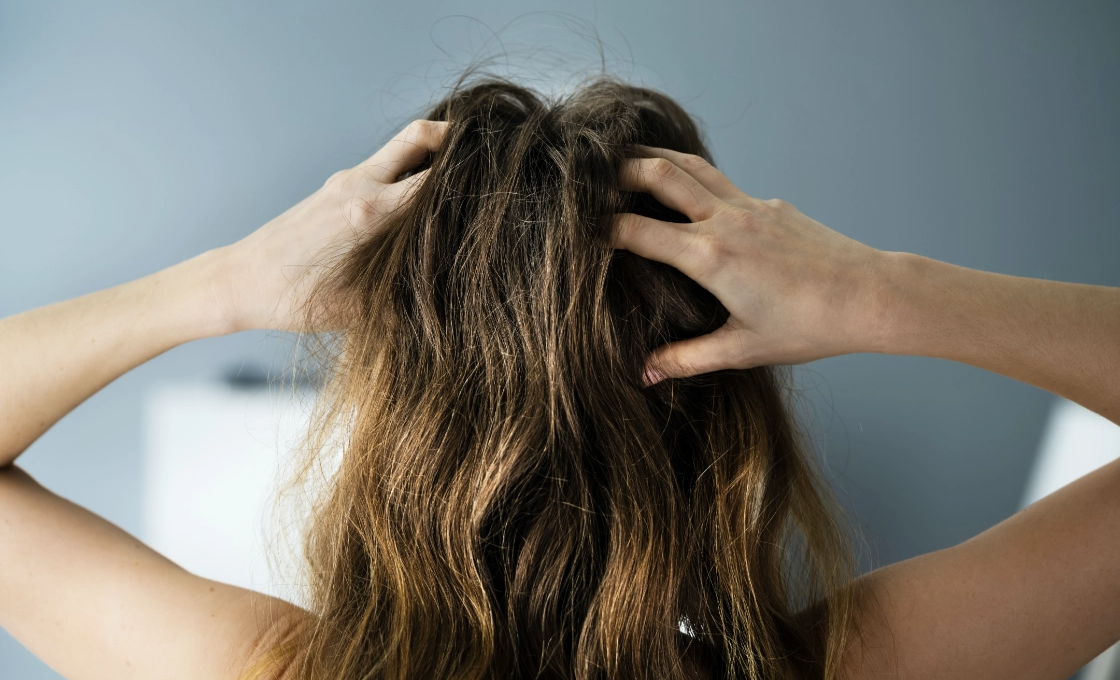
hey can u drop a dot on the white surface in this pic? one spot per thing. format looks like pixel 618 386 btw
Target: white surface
pixel 213 466
pixel 1076 442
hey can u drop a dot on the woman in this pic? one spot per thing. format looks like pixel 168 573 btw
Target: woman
pixel 556 333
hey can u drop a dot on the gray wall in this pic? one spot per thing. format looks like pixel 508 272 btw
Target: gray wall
pixel 135 135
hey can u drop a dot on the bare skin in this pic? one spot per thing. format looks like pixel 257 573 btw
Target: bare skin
pixel 84 596
pixel 1033 597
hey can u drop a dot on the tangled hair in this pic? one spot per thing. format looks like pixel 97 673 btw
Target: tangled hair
pixel 510 501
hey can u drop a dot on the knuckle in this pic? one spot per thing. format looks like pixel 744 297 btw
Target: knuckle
pixel 716 249
pixel 742 219
pixel 423 131
pixel 693 161
pixel 336 179
pixel 357 210
pixel 662 167
pixel 703 249
pixel 778 204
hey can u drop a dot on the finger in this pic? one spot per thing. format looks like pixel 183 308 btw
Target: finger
pixel 398 192
pixel 406 150
pixel 361 210
pixel 662 241
pixel 704 172
pixel 670 185
pixel 684 358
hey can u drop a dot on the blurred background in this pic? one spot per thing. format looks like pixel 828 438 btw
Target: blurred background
pixel 987 134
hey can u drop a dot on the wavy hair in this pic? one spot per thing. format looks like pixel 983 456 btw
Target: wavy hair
pixel 510 501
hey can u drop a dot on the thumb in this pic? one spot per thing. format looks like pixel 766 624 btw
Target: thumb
pixel 398 192
pixel 684 358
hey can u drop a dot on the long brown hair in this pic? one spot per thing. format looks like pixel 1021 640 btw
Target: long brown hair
pixel 510 501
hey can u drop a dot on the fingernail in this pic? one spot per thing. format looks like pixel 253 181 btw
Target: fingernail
pixel 651 376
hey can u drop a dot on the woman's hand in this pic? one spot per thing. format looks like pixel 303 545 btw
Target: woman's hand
pixel 83 595
pixel 795 289
pixel 270 272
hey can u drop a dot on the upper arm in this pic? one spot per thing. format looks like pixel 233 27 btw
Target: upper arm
pixel 93 602
pixel 1036 596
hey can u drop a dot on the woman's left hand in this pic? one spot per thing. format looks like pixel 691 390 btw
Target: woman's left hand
pixel 796 291
pixel 268 274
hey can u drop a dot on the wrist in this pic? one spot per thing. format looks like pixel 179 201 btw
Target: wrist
pixel 900 278
pixel 934 309
pixel 202 295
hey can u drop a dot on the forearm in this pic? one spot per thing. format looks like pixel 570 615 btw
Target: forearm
pixel 1061 337
pixel 55 357
pixel 1036 595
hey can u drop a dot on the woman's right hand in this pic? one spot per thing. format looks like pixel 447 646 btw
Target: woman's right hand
pixel 796 290
pixel 270 272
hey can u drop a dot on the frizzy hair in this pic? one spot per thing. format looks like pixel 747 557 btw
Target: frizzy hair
pixel 511 501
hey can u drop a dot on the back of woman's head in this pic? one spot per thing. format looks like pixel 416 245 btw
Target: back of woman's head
pixel 511 502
